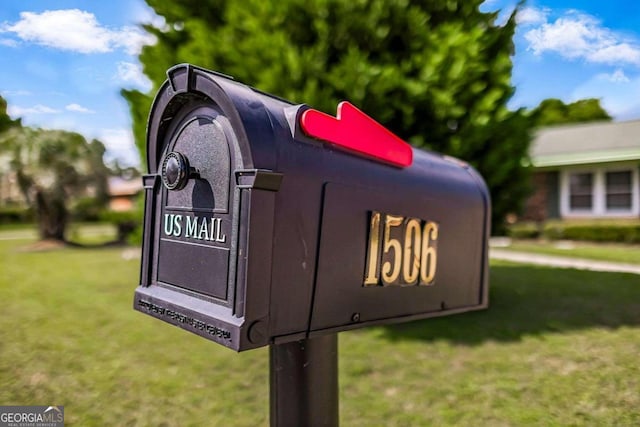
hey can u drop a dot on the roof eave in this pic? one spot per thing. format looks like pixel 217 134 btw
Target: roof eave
pixel 571 159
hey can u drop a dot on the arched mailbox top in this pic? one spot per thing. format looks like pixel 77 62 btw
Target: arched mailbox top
pixel 188 87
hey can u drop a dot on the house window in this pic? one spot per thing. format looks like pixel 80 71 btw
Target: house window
pixel 612 191
pixel 581 191
pixel 619 190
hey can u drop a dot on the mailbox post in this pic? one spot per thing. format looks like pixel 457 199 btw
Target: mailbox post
pixel 304 382
pixel 268 223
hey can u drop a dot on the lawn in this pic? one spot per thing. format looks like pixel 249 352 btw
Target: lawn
pixel 83 233
pixel 629 254
pixel 557 347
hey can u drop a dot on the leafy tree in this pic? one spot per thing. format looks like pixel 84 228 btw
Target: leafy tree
pixel 99 171
pixel 437 73
pixel 553 111
pixel 5 121
pixel 53 168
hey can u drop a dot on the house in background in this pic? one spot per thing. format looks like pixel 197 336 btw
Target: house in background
pixel 123 193
pixel 586 171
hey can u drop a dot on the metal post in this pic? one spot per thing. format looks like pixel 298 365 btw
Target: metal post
pixel 304 382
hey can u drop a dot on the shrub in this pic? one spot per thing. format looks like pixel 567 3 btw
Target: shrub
pixel 87 209
pixel 15 215
pixel 623 233
pixel 594 231
pixel 525 230
pixel 127 224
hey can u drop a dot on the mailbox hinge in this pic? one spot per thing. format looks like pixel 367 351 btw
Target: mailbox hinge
pixel 259 179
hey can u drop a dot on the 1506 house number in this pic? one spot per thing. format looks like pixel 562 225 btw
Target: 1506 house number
pixel 401 251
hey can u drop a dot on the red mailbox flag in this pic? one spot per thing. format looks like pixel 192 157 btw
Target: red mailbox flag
pixel 354 131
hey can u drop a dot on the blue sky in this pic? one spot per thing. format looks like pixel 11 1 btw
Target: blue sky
pixel 64 62
pixel 578 49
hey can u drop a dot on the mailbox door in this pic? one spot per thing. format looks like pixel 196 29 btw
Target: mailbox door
pixel 197 257
pixel 197 226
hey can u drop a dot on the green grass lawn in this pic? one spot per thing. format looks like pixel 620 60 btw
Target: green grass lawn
pixel 82 233
pixel 598 251
pixel 556 348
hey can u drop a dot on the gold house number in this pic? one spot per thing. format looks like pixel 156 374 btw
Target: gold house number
pixel 401 251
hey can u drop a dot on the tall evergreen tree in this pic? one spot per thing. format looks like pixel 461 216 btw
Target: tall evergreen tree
pixel 437 73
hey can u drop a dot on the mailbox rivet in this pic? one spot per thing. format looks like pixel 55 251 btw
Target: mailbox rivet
pixel 257 332
pixel 355 317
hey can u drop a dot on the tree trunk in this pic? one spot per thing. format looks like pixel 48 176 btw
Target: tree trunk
pixel 52 215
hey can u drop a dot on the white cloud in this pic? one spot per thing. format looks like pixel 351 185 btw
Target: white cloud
pixel 19 92
pixel 77 108
pixel 618 76
pixel 144 14
pixel 16 111
pixel 616 53
pixel 120 146
pixel 577 35
pixel 130 73
pixel 75 30
pixel 8 42
pixel 132 39
pixel 118 141
pixel 532 16
pixel 618 93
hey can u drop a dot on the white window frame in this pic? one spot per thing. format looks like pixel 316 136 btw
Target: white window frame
pixel 599 205
pixel 594 182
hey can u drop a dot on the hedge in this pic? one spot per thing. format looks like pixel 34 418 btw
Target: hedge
pixel 15 215
pixel 597 232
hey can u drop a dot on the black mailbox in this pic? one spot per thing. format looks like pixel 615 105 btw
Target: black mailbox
pixel 268 222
